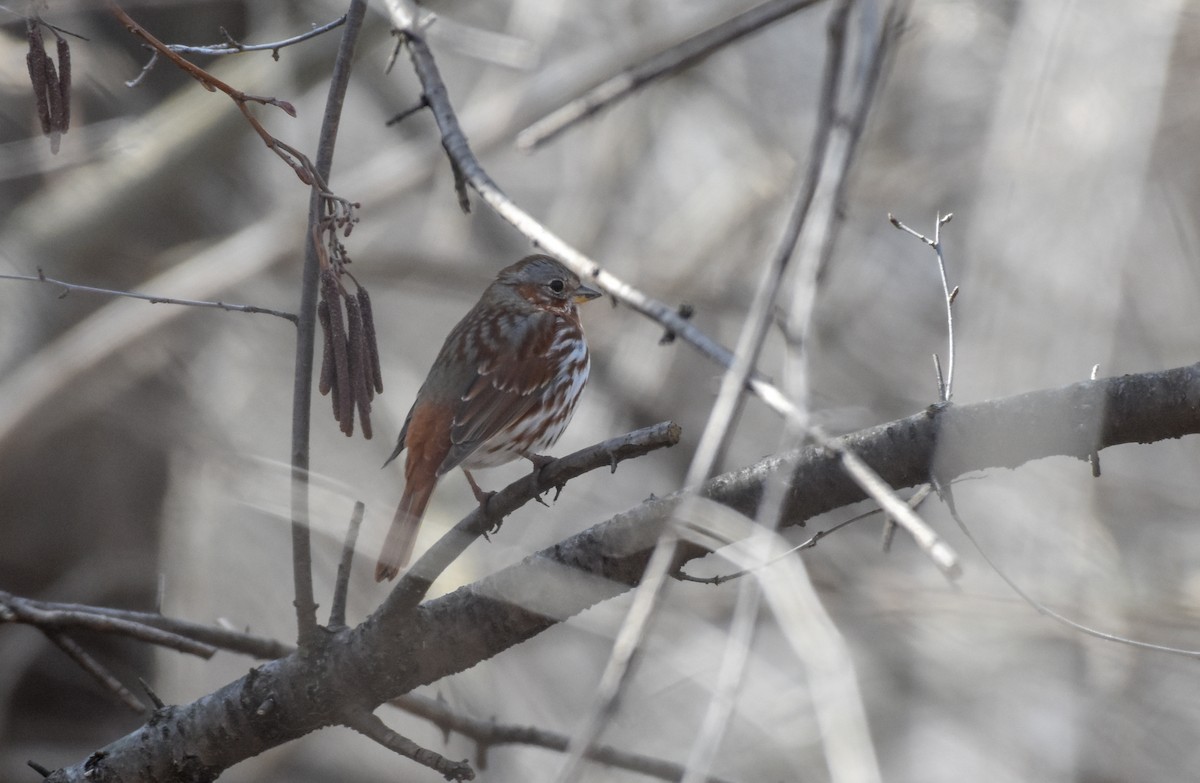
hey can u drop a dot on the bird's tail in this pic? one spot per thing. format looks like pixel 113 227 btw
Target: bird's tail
pixel 402 535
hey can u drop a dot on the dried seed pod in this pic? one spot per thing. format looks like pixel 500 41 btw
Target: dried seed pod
pixel 331 293
pixel 64 81
pixel 358 365
pixel 36 61
pixel 55 101
pixel 368 317
pixel 326 382
pixel 345 409
pixel 335 400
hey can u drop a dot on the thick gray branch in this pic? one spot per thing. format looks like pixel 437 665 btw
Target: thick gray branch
pixel 397 650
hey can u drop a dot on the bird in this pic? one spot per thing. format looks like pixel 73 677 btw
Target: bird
pixel 504 386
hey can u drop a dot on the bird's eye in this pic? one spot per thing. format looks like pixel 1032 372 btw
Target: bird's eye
pixel 557 286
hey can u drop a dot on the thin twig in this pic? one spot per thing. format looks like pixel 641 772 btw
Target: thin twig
pixel 488 733
pixel 341 587
pixel 306 608
pixel 669 62
pixel 40 277
pixel 231 46
pixel 289 155
pixel 946 386
pixel 221 638
pixel 369 725
pixel 1041 608
pixel 915 500
pixel 21 610
pixel 98 671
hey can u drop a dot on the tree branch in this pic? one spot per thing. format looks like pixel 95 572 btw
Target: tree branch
pixel 417 580
pixel 488 733
pixel 230 46
pixel 98 670
pixel 14 609
pixel 306 608
pixel 394 650
pixel 468 171
pixel 681 56
pixel 40 277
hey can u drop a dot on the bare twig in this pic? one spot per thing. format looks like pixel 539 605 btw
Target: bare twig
pixel 1041 608
pixel 230 46
pixel 306 608
pixel 946 385
pixel 98 671
pixel 221 638
pixel 40 277
pixel 369 725
pixel 152 695
pixel 288 154
pixel 21 610
pixel 341 587
pixel 488 733
pixel 669 62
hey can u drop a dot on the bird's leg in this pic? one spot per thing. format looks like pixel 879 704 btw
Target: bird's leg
pixel 482 497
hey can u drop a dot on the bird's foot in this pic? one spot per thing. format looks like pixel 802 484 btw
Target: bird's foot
pixel 540 461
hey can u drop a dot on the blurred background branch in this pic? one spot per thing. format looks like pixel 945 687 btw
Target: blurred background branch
pixel 137 441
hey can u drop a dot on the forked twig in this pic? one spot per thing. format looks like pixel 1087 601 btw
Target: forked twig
pixel 946 385
pixel 14 609
pixel 369 725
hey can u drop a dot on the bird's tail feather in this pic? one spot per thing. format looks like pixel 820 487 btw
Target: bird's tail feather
pixel 402 535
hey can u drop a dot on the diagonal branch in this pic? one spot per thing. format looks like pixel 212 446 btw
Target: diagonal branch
pixel 393 652
pixel 14 609
pixel 467 168
pixel 98 670
pixel 371 726
pixel 416 582
pixel 725 409
pixel 681 56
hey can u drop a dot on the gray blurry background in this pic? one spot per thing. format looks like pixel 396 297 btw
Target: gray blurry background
pixel 138 440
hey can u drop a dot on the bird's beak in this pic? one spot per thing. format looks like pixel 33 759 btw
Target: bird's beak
pixel 584 294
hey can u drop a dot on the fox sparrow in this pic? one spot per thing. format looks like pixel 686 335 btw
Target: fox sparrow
pixel 503 386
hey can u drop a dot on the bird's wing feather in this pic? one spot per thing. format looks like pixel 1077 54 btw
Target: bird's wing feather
pixel 503 389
